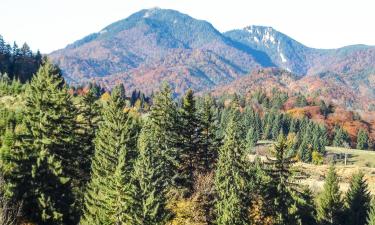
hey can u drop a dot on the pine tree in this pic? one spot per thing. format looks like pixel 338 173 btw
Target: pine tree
pixel 190 142
pixel 150 188
pixel 121 90
pixel 230 179
pixel 251 139
pixel 358 200
pixel 304 210
pixel 44 160
pixel 371 216
pixel 281 186
pixel 341 138
pixel 88 119
pixel 108 196
pixel 210 143
pixel 330 205
pixel 362 140
pixel 164 129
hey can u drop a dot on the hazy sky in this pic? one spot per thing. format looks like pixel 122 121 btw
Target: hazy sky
pixel 52 24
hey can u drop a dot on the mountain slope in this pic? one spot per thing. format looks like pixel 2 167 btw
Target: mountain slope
pixel 284 51
pixel 151 37
pixel 354 64
pixel 157 45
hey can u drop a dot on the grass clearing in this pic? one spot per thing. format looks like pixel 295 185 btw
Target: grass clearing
pixel 357 160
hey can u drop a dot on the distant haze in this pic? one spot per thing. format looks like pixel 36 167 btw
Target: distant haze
pixel 50 24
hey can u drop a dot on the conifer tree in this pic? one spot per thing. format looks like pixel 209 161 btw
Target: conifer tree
pixel 121 90
pixel 190 141
pixel 230 179
pixel 89 116
pixel 209 143
pixel 150 188
pixel 330 205
pixel 44 160
pixel 108 196
pixel 371 216
pixel 362 140
pixel 304 210
pixel 341 138
pixel 357 200
pixel 164 128
pixel 281 186
pixel 251 139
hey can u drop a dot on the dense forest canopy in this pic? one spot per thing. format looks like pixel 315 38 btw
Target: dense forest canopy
pixel 88 156
pixel 18 62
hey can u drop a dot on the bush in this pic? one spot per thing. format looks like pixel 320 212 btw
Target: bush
pixel 317 158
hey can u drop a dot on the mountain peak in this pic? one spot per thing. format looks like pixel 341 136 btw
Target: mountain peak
pixel 149 12
pixel 266 35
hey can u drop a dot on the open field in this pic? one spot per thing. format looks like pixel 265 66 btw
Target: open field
pixel 357 160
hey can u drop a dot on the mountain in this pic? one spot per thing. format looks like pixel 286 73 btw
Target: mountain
pixel 354 64
pixel 161 38
pixel 284 51
pixel 153 46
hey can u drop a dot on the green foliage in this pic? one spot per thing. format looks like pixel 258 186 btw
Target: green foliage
pixel 230 179
pixel 150 189
pixel 18 63
pixel 362 140
pixel 357 200
pixel 10 87
pixel 43 158
pixel 330 206
pixel 251 139
pixel 190 141
pixel 317 158
pixel 164 129
pixel 304 209
pixel 325 109
pixel 301 101
pixel 341 137
pixel 109 193
pixel 281 185
pixel 371 216
pixel 209 138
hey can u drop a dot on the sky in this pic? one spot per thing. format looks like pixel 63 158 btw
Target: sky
pixel 49 25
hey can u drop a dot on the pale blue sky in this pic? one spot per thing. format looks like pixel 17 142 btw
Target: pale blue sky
pixel 52 24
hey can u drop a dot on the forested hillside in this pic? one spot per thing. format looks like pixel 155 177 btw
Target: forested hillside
pixel 20 63
pixel 84 155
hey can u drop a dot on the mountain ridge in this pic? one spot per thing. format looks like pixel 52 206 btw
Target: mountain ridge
pixel 156 44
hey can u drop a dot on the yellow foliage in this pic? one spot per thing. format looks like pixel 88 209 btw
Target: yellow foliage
pixel 317 158
pixel 297 112
pixel 291 139
pixel 105 97
pixel 257 213
pixel 187 211
pixel 138 104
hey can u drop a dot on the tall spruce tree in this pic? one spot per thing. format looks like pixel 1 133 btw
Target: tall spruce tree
pixel 209 128
pixel 281 186
pixel 362 140
pixel 44 159
pixel 251 139
pixel 330 205
pixel 164 127
pixel 304 207
pixel 230 179
pixel 150 188
pixel 357 200
pixel 109 193
pixel 190 141
pixel 341 138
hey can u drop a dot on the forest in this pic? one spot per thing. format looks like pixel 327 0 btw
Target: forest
pixel 85 155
